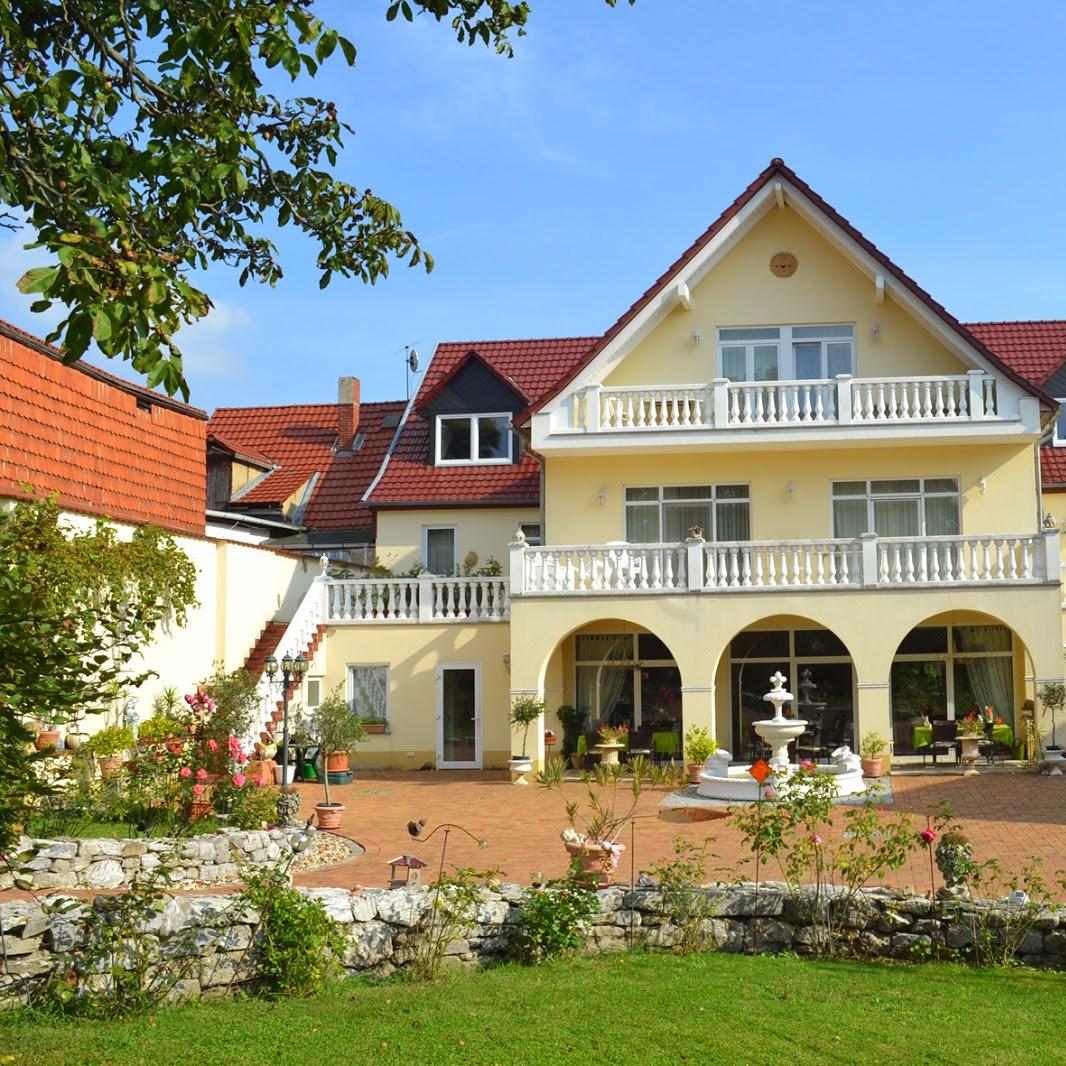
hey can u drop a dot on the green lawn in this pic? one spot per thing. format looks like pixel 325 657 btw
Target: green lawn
pixel 644 1009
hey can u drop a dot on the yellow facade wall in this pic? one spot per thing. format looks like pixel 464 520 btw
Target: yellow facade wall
pixel 1007 502
pixel 413 654
pixel 484 531
pixel 826 289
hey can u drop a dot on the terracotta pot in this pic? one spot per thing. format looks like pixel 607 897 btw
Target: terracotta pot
pixel 578 761
pixel 110 766
pixel 593 859
pixel 329 817
pixel 337 762
pixel 872 767
pixel 47 738
pixel 694 771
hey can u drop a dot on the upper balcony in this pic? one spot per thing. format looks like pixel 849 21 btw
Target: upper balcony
pixel 960 407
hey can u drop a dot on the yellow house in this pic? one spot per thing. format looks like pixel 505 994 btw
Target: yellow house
pixel 785 455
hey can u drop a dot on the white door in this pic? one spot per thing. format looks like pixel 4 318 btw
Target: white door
pixel 459 716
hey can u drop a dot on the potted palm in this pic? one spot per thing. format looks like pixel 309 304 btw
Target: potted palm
pixel 525 710
pixel 336 730
pixel 108 747
pixel 872 751
pixel 699 747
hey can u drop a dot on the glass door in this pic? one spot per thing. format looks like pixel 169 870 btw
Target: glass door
pixel 459 716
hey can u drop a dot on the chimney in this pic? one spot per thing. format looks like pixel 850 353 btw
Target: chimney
pixel 347 413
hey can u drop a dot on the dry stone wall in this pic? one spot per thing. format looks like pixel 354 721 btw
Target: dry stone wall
pixel 382 929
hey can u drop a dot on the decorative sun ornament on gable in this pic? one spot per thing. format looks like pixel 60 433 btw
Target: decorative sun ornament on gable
pixel 783 265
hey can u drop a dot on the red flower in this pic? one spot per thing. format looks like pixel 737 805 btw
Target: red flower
pixel 201 774
pixel 928 836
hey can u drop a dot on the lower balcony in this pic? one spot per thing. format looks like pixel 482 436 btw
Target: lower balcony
pixel 418 599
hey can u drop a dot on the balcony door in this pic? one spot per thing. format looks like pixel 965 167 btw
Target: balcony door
pixel 459 716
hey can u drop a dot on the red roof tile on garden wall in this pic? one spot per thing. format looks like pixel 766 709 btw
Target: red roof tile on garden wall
pixel 1036 350
pixel 299 440
pixel 529 365
pixel 78 431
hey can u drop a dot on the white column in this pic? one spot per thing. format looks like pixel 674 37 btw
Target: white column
pixel 873 714
pixel 721 402
pixel 843 398
pixel 592 408
pixel 517 548
pixel 869 560
pixel 1051 556
pixel 698 708
pixel 425 598
pixel 977 393
pixel 694 562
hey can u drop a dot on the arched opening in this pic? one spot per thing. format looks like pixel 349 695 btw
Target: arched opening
pixel 950 666
pixel 820 673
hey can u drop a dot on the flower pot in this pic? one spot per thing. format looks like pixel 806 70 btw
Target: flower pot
pixel 577 761
pixel 609 753
pixel 520 765
pixel 337 762
pixel 694 771
pixel 47 738
pixel 74 741
pixel 970 746
pixel 373 727
pixel 329 815
pixel 872 767
pixel 596 859
pixel 200 808
pixel 110 765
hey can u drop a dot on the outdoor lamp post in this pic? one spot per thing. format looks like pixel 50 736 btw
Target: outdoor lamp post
pixel 291 670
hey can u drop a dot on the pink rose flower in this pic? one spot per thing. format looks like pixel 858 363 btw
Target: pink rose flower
pixel 815 839
pixel 806 764
pixel 197 790
pixel 190 700
pixel 213 745
pixel 185 772
pixel 242 758
pixel 928 836
pixel 239 779
pixel 201 774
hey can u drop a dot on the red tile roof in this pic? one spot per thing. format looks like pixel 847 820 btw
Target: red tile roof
pixel 529 366
pixel 79 432
pixel 239 451
pixel 778 169
pixel 299 440
pixel 1036 350
pixel 1053 467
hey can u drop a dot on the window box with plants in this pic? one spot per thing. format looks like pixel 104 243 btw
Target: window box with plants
pixel 525 710
pixel 336 730
pixel 699 747
pixel 374 726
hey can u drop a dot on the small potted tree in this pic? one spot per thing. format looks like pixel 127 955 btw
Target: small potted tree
pixel 108 747
pixel 699 747
pixel 872 752
pixel 525 710
pixel 1053 697
pixel 336 730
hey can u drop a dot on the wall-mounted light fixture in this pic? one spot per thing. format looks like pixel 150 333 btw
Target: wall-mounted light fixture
pixel 602 497
pixel 875 332
pixel 982 485
pixel 790 488
pixel 697 336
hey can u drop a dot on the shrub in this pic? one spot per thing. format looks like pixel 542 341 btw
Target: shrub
pixel 573 723
pixel 553 920
pixel 252 807
pixel 335 727
pixel 699 745
pixel 457 898
pixel 685 904
pixel 111 741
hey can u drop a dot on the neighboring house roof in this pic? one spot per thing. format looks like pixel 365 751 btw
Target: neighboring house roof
pixel 105 446
pixel 238 451
pixel 778 169
pixel 299 439
pixel 409 479
pixel 1036 350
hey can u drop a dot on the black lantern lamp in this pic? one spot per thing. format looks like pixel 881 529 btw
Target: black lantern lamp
pixel 292 670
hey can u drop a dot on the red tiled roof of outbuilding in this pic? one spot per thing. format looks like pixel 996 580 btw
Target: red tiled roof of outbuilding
pixel 105 446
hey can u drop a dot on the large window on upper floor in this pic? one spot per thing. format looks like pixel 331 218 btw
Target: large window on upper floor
pixel 901 507
pixel 473 439
pixel 786 353
pixel 664 514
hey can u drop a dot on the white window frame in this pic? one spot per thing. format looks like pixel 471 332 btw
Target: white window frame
pixel 473 420
pixel 710 535
pixel 632 662
pixel 350 687
pixel 533 539
pixel 921 495
pixel 426 530
pixel 786 361
pixel 479 739
pixel 1058 438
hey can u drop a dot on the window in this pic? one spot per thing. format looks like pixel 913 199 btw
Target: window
pixel 628 678
pixel 368 691
pixel 438 549
pixel 531 531
pixel 904 507
pixel 666 514
pixel 314 692
pixel 1059 440
pixel 473 439
pixel 771 353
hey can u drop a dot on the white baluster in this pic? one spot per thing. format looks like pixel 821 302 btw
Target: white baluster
pixel 734 406
pixel 734 568
pixel 758 567
pixel 745 567
pixel 1027 558
pixel 819 406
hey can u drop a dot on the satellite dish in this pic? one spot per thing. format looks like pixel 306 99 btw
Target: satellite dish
pixel 412 361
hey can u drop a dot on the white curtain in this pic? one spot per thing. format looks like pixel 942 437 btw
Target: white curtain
pixel 601 685
pixel 370 691
pixel 992 678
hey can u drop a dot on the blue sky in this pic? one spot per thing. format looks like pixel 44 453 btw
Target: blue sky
pixel 552 188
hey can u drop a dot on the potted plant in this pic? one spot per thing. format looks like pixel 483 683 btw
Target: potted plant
pixel 525 710
pixel 613 739
pixel 47 735
pixel 573 722
pixel 581 751
pixel 872 750
pixel 108 747
pixel 699 747
pixel 1053 697
pixel 969 732
pixel 336 730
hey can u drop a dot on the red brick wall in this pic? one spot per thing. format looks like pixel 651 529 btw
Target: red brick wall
pixel 63 431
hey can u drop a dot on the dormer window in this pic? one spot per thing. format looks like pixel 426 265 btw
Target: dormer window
pixel 473 439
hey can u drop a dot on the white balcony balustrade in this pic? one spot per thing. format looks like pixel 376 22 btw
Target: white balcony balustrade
pixel 422 599
pixel 843 400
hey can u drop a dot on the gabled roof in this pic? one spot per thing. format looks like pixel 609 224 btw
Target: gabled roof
pixel 299 439
pixel 778 170
pixel 239 451
pixel 409 479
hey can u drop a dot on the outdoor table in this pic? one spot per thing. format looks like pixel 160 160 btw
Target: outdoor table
pixel 667 744
pixel 1001 734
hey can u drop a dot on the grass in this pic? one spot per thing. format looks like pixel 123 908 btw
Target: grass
pixel 646 1009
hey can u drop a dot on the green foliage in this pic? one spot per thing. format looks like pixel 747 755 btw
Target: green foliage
pixel 114 967
pixel 1053 700
pixel 236 696
pixel 525 710
pixel 612 794
pixel 252 807
pixel 873 746
pixel 155 730
pixel 335 727
pixel 75 608
pixel 297 942
pixel 141 145
pixel 553 920
pixel 573 723
pixel 699 744
pixel 685 904
pixel 110 741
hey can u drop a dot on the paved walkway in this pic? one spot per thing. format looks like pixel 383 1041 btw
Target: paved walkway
pixel 1008 814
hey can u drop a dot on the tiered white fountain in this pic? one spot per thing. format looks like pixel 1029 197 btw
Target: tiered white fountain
pixel 719 780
